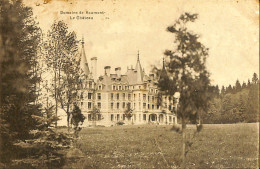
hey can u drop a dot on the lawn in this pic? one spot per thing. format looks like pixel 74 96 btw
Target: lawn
pixel 152 146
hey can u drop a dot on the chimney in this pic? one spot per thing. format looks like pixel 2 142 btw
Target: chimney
pixel 118 71
pixel 94 68
pixel 151 76
pixel 107 70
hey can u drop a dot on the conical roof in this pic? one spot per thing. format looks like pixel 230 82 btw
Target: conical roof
pixel 83 61
pixel 163 73
pixel 139 71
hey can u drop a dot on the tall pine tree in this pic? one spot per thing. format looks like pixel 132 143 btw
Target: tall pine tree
pixel 19 39
pixel 187 68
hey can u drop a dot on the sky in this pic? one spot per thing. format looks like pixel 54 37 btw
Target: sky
pixel 229 28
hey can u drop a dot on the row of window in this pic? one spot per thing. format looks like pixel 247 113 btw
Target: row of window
pixel 117 97
pixel 118 117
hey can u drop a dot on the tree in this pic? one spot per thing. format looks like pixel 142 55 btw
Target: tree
pixel 62 49
pixel 229 89
pixel 77 117
pixel 243 85
pixel 238 86
pixel 19 39
pixel 95 115
pixel 254 78
pixel 46 147
pixel 223 91
pixel 248 83
pixel 128 113
pixel 187 68
pixel 253 103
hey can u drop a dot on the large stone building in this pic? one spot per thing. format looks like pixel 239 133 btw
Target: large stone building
pixel 113 94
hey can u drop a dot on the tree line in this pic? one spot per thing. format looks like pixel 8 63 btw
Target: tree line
pixel 233 104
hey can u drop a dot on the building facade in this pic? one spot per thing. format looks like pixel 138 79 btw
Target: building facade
pixel 130 98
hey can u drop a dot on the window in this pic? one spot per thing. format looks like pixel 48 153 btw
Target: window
pixel 112 117
pixel 123 117
pixel 144 105
pixel 152 98
pixel 89 105
pixel 170 107
pixel 120 87
pixel 133 87
pixel 81 104
pixel 139 106
pixel 129 96
pixel 114 87
pixel 89 95
pixel 112 105
pixel 123 96
pixel 89 117
pixel 139 96
pixel 99 87
pixel 148 98
pixel 117 105
pixel 144 97
pixel 134 105
pixel 81 95
pixel 170 118
pixel 112 96
pixel 139 117
pixel 152 106
pixel 99 96
pixel 123 105
pixel 90 84
pixel 118 117
pixel 158 106
pixel 99 117
pixel 148 106
pixel 126 87
pixel 144 117
pixel 139 87
pixel 134 96
pixel 117 96
pixel 99 105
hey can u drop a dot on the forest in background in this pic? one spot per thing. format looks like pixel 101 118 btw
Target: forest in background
pixel 234 104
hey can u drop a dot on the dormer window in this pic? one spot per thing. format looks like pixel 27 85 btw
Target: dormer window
pixel 99 87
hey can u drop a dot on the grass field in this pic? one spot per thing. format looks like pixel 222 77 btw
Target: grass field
pixel 151 146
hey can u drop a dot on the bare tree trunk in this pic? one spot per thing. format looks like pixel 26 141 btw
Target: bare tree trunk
pixel 183 165
pixel 56 101
pixel 68 121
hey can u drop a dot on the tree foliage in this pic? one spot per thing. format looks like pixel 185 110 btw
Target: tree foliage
pixel 77 118
pixel 27 140
pixel 235 104
pixel 128 113
pixel 61 56
pixel 19 39
pixel 187 75
pixel 186 65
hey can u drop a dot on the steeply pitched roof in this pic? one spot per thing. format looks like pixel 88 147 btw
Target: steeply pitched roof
pixel 83 61
pixel 163 73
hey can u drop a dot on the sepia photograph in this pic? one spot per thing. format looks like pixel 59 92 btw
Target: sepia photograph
pixel 116 84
